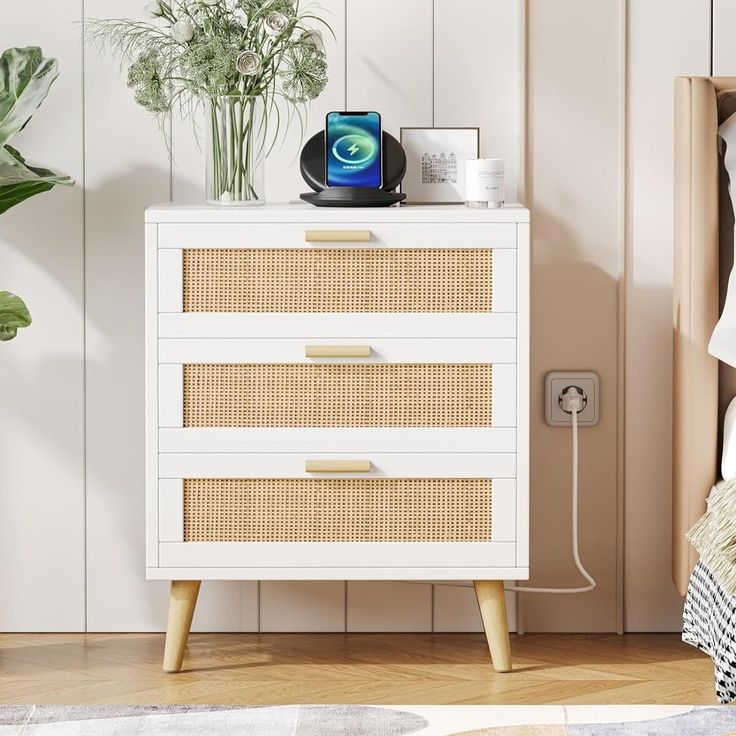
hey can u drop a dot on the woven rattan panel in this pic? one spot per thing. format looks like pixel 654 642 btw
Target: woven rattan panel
pixel 337 280
pixel 337 395
pixel 337 510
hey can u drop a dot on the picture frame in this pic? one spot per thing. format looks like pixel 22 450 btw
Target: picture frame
pixel 435 163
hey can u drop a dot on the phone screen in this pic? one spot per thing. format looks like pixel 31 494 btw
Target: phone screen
pixel 353 149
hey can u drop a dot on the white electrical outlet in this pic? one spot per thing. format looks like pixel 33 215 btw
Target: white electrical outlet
pixel 555 382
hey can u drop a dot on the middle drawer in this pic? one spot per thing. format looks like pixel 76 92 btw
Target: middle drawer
pixel 382 383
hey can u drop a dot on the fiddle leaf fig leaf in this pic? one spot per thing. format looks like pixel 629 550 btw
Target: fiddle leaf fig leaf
pixel 25 79
pixel 13 315
pixel 19 180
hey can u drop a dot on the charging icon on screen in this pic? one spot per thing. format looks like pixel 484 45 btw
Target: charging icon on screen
pixel 354 149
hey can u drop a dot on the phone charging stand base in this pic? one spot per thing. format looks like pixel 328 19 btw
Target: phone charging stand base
pixel 312 166
pixel 352 197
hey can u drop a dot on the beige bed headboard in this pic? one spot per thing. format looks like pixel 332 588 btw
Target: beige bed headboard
pixel 699 396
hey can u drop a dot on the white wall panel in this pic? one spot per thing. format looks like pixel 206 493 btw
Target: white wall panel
pixel 475 76
pixel 283 179
pixel 665 40
pixel 389 60
pixel 42 370
pixel 223 607
pixel 249 605
pixel 188 143
pixel 724 26
pixel 387 606
pixel 127 167
pixel 455 609
pixel 304 605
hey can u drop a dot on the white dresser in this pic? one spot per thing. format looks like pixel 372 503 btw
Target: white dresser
pixel 337 394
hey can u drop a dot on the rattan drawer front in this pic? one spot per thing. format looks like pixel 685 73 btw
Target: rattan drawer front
pixel 337 395
pixel 272 280
pixel 337 510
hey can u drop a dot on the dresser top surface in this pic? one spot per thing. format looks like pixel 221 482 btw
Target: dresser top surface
pixel 285 212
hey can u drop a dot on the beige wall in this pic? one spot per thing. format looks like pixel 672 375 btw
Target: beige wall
pixel 574 170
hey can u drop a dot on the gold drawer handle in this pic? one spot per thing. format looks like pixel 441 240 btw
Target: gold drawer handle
pixel 337 351
pixel 337 466
pixel 337 236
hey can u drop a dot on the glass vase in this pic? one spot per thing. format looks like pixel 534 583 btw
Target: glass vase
pixel 236 150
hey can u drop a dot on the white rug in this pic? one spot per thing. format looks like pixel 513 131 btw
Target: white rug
pixel 354 720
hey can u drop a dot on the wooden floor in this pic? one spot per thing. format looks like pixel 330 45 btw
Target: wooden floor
pixel 352 668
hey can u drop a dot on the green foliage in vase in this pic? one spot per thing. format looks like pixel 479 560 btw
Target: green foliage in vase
pixel 190 51
pixel 25 79
pixel 13 315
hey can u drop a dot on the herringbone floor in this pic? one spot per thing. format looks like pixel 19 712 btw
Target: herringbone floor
pixel 352 668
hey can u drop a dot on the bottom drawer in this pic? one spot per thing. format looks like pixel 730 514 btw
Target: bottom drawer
pixel 338 510
pixel 337 516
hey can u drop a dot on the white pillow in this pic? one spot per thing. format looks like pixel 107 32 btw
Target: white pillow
pixel 728 458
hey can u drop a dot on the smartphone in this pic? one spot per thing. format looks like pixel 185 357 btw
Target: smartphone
pixel 353 156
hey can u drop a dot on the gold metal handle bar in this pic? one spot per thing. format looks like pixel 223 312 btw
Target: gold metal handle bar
pixel 337 236
pixel 337 466
pixel 337 351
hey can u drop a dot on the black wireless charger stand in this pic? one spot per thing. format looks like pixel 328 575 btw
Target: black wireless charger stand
pixel 312 165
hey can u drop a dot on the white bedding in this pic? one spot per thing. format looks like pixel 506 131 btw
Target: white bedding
pixel 723 340
pixel 714 489
pixel 728 455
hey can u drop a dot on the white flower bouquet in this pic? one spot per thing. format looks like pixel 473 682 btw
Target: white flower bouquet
pixel 250 61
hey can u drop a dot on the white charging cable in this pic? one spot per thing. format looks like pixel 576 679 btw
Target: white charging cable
pixel 572 404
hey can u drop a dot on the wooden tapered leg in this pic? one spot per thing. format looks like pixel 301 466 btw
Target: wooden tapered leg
pixel 492 604
pixel 182 602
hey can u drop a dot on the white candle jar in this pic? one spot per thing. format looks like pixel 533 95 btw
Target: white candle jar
pixel 484 182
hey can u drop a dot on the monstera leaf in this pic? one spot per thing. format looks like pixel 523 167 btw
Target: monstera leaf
pixel 25 79
pixel 13 314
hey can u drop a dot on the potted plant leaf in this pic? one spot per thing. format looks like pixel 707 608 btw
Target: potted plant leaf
pixel 25 79
pixel 13 314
